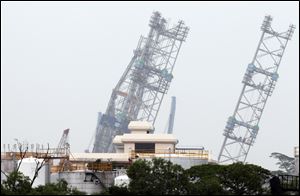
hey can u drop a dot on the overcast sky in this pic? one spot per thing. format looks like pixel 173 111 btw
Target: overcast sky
pixel 60 61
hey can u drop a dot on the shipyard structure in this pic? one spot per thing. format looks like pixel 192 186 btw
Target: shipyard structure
pixel 125 131
pixel 92 172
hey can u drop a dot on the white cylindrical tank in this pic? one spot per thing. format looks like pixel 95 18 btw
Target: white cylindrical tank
pixel 79 180
pixel 121 181
pixel 28 167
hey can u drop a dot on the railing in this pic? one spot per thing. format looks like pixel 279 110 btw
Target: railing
pixel 166 153
pixel 42 153
pixel 289 182
pixel 106 166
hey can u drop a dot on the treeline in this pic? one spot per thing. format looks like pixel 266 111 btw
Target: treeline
pixel 161 177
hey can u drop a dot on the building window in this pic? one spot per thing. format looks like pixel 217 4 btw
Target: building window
pixel 145 147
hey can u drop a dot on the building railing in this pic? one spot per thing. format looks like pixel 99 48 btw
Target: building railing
pixel 289 182
pixel 169 153
pixel 41 153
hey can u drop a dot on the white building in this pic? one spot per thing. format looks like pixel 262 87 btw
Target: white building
pixel 140 143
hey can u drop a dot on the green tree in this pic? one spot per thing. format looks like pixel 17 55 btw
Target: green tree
pixel 244 179
pixel 141 179
pixel 236 178
pixel 59 188
pixel 157 177
pixel 115 190
pixel 16 184
pixel 204 180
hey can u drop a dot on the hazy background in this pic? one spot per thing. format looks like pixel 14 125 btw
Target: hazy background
pixel 60 61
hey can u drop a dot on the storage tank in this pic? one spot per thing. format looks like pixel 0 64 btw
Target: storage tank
pixel 7 166
pixel 78 179
pixel 28 167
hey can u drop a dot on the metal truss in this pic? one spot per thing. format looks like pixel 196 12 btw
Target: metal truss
pixel 258 84
pixel 140 91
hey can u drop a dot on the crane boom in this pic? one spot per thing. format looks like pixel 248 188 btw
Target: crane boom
pixel 63 142
pixel 258 84
pixel 139 93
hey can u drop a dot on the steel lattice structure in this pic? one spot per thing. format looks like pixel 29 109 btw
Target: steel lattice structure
pixel 140 91
pixel 258 84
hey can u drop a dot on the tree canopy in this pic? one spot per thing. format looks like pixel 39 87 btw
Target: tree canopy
pixel 204 179
pixel 161 177
pixel 244 179
pixel 157 177
pixel 16 184
pixel 285 162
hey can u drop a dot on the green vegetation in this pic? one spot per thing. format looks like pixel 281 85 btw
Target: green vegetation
pixel 161 177
pixel 157 177
pixel 205 180
pixel 16 184
pixel 244 179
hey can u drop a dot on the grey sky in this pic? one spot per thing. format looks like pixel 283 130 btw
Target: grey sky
pixel 60 61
